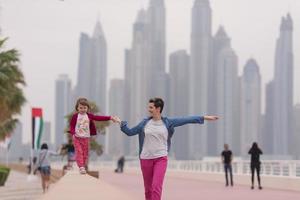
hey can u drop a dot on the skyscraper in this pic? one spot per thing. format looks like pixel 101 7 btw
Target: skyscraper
pixel 179 64
pixel 128 84
pixel 116 138
pixel 62 107
pixel 145 74
pixel 283 88
pixel 136 74
pixel 15 149
pixel 92 68
pixel 157 34
pixel 268 128
pixel 200 61
pixel 98 73
pixel 157 77
pixel 46 137
pixel 84 67
pixel 296 136
pixel 220 41
pixel 227 97
pixel 250 106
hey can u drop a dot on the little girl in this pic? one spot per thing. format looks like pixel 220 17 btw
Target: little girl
pixel 82 126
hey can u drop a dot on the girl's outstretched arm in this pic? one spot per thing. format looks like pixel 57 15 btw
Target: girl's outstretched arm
pixel 100 118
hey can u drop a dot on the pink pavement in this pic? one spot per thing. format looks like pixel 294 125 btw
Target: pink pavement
pixel 186 189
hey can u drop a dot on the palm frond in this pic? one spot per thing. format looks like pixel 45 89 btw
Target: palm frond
pixel 11 94
pixel 7 128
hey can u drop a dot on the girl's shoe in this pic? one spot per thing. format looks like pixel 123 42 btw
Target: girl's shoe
pixel 82 170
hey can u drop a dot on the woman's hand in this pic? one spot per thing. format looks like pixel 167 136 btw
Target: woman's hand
pixel 211 117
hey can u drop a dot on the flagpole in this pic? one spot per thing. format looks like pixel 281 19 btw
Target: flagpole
pixel 7 157
pixel 31 162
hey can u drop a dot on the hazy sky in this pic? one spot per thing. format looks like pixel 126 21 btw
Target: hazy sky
pixel 46 32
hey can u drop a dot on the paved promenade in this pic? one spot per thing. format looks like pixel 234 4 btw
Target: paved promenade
pixel 181 188
pixel 21 187
pixel 75 186
pixel 129 186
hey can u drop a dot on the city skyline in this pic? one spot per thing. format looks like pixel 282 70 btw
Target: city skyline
pixel 29 90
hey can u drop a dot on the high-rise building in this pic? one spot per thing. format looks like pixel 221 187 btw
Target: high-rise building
pixel 128 84
pixel 62 107
pixel 250 106
pixel 136 75
pixel 220 41
pixel 84 67
pixel 227 97
pixel 98 73
pixel 157 77
pixel 116 139
pixel 268 128
pixel 92 68
pixel 296 136
pixel 200 61
pixel 179 64
pixel 15 149
pixel 283 88
pixel 145 74
pixel 46 137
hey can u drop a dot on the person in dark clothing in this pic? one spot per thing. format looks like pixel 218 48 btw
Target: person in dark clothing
pixel 121 163
pixel 255 152
pixel 227 159
pixel 70 151
pixel 31 164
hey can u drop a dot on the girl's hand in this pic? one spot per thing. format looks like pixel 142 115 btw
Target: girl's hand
pixel 211 117
pixel 113 119
pixel 116 119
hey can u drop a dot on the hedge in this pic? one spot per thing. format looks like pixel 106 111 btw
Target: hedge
pixel 4 172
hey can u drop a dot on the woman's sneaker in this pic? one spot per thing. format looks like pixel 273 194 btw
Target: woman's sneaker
pixel 82 170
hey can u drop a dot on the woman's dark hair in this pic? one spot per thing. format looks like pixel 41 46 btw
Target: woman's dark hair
pixel 158 103
pixel 44 146
pixel 254 145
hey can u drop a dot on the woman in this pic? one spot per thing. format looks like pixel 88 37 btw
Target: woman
pixel 44 165
pixel 155 133
pixel 255 152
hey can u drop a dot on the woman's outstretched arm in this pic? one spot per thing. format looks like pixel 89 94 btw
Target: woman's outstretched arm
pixel 211 117
pixel 125 129
pixel 191 120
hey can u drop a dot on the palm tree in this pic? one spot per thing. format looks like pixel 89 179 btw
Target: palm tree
pixel 100 126
pixel 11 93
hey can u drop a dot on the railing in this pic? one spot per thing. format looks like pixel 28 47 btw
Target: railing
pixel 285 168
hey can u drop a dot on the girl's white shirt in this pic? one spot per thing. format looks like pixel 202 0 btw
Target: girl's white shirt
pixel 82 128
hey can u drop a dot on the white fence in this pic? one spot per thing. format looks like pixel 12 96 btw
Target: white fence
pixel 285 168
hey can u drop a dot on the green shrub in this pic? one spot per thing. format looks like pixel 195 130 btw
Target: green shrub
pixel 4 172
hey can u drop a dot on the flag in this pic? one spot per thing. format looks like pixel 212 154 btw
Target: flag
pixel 37 127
